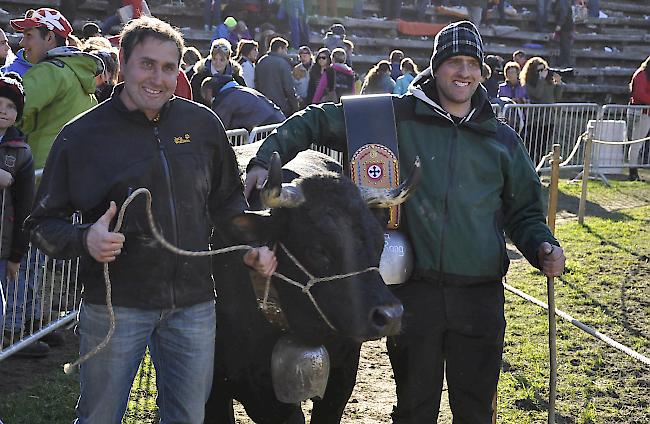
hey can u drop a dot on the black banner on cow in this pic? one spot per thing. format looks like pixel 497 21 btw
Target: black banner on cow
pixel 372 144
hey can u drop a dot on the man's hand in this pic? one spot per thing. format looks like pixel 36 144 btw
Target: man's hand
pixel 5 179
pixel 254 179
pixel 102 244
pixel 551 259
pixel 12 270
pixel 262 260
pixel 557 79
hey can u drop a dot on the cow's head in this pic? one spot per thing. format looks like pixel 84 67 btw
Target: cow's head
pixel 328 229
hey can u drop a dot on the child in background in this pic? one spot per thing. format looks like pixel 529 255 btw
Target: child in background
pixel 17 182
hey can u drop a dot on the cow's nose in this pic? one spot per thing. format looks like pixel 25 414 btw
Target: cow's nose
pixel 387 320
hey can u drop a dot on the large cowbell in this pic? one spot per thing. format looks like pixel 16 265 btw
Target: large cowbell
pixel 374 162
pixel 298 371
pixel 396 264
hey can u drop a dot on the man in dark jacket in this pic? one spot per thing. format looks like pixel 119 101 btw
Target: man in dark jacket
pixel 477 183
pixel 240 107
pixel 143 136
pixel 273 77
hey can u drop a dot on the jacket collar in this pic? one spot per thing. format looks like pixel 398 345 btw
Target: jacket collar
pixel 12 134
pixel 137 115
pixel 70 51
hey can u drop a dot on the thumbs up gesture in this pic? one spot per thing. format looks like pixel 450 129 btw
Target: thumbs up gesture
pixel 102 244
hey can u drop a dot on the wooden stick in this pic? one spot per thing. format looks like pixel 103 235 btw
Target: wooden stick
pixel 585 177
pixel 552 331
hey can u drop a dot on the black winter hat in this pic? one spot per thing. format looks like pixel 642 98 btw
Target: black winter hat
pixel 11 87
pixel 457 39
pixel 338 29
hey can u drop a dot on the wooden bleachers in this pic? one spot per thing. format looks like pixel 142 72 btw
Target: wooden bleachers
pixel 606 50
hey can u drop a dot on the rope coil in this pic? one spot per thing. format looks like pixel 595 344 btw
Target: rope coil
pixel 305 288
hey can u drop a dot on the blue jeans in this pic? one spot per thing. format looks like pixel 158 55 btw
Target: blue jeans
pixel 295 10
pixel 22 297
pixel 109 23
pixel 212 17
pixel 181 344
pixel 593 8
pixel 542 15
pixel 357 9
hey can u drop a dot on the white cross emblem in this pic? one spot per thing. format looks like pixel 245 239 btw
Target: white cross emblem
pixel 50 20
pixel 374 172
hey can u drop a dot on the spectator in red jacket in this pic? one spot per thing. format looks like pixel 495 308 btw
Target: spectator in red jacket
pixel 639 95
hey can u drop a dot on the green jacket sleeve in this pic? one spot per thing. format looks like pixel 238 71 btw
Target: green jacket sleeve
pixel 41 85
pixel 523 210
pixel 323 125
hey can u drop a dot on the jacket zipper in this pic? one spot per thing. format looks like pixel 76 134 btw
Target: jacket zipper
pixel 450 173
pixel 172 207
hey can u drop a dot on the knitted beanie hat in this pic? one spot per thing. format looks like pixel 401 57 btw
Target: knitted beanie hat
pixel 457 39
pixel 12 88
pixel 230 22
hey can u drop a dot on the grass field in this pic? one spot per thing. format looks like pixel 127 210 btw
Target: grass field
pixel 606 285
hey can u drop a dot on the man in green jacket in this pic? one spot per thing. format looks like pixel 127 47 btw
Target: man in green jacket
pixel 59 86
pixel 478 183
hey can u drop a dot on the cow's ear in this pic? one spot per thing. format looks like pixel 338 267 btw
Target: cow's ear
pixel 251 227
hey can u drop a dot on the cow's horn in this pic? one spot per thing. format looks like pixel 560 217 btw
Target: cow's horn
pixel 274 194
pixel 385 197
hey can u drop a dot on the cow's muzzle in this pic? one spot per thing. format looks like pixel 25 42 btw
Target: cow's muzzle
pixel 386 320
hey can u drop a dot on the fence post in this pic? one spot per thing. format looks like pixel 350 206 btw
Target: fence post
pixel 585 176
pixel 552 332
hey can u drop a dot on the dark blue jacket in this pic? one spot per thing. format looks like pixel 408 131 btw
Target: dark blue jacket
pixel 243 107
pixel 19 64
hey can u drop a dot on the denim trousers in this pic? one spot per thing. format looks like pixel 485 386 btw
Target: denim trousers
pixel 181 345
pixel 212 14
pixel 23 301
pixel 542 15
pixel 295 10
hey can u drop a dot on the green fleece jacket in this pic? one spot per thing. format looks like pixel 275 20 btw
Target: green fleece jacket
pixel 477 182
pixel 57 89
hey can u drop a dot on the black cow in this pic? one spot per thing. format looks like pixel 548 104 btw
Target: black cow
pixel 326 224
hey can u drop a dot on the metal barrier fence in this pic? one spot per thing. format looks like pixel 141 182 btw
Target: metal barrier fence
pixel 237 137
pixel 260 133
pixel 43 298
pixel 628 125
pixel 542 125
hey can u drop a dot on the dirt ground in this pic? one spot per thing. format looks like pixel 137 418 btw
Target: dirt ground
pixel 20 374
pixel 374 394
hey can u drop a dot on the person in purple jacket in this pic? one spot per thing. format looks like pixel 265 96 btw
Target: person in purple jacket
pixel 511 87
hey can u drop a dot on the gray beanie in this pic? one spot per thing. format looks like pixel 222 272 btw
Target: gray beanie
pixel 456 39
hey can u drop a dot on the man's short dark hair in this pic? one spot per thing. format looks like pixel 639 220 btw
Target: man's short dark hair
pixel 277 43
pixel 517 53
pixel 90 29
pixel 60 41
pixel 396 56
pixel 138 30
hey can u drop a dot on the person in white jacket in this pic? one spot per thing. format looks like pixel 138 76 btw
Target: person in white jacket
pixel 247 52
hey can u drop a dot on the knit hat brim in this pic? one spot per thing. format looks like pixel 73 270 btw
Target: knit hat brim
pixel 13 90
pixel 457 39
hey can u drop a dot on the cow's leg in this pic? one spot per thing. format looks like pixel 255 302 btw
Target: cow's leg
pixel 296 418
pixel 219 409
pixel 329 410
